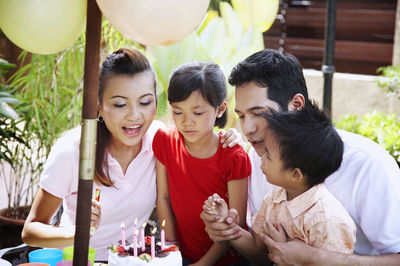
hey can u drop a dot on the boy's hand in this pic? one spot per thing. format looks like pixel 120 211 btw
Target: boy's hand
pixel 214 205
pixel 276 233
pixel 231 138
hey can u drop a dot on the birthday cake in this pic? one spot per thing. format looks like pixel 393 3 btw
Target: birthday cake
pixel 119 255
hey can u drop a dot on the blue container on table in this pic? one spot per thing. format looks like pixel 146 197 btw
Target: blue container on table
pixel 46 255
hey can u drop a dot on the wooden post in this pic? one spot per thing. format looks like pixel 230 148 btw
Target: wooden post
pixel 88 134
pixel 396 43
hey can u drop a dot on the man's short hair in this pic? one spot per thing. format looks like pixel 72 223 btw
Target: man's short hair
pixel 281 73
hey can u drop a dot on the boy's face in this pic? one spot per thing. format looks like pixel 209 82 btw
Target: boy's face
pixel 251 102
pixel 272 165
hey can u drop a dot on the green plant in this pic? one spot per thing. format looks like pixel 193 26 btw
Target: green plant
pixel 8 131
pixel 382 128
pixel 389 80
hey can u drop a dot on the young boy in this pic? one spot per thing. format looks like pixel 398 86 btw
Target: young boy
pixel 302 148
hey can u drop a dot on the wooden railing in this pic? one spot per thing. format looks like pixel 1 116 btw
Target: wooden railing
pixel 364 34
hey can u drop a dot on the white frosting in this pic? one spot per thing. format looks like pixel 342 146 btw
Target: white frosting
pixel 173 259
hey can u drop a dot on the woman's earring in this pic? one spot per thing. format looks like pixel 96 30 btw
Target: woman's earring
pixel 99 118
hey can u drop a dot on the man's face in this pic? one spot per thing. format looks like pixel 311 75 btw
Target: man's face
pixel 251 101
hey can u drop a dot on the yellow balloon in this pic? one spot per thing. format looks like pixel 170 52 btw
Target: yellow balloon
pixel 42 26
pixel 258 12
pixel 154 22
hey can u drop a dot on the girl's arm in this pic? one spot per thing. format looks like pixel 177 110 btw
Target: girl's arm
pixel 164 209
pixel 38 230
pixel 237 196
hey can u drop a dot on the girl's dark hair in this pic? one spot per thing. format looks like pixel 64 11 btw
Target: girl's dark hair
pixel 280 73
pixel 124 61
pixel 307 140
pixel 207 78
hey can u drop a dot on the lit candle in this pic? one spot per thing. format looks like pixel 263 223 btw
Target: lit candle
pixel 162 235
pixel 135 242
pixel 122 235
pixel 142 240
pixel 153 245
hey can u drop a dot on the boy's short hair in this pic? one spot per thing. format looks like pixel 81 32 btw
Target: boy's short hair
pixel 307 140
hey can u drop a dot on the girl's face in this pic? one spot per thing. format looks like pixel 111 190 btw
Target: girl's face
pixel 272 165
pixel 195 117
pixel 128 107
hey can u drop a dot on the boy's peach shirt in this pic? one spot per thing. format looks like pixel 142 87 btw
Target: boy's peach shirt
pixel 315 217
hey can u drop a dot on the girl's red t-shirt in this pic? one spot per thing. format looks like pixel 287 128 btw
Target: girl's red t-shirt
pixel 191 181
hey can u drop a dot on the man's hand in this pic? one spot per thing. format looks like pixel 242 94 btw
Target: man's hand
pixel 292 252
pixel 276 233
pixel 222 231
pixel 231 137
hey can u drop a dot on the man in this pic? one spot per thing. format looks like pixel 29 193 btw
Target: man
pixel 367 183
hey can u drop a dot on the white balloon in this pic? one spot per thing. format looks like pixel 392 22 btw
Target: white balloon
pixel 154 22
pixel 42 26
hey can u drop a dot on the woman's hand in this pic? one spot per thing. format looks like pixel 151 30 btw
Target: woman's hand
pixel 231 137
pixel 95 218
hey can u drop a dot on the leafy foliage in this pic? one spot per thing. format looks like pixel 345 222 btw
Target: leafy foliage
pixel 8 130
pixel 382 128
pixel 389 80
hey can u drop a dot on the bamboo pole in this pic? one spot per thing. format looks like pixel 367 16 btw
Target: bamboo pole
pixel 88 134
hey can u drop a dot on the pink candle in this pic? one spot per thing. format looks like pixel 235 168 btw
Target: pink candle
pixel 142 240
pixel 153 244
pixel 135 253
pixel 122 235
pixel 134 241
pixel 153 247
pixel 162 235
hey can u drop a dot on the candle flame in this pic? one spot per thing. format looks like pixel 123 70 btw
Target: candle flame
pixel 122 225
pixel 135 221
pixel 163 223
pixel 144 225
pixel 154 230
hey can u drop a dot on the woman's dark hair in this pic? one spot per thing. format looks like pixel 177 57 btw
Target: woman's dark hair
pixel 124 61
pixel 207 78
pixel 280 73
pixel 307 140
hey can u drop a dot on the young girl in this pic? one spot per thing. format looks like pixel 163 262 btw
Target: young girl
pixel 191 163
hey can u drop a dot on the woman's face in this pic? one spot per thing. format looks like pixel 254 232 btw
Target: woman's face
pixel 128 107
